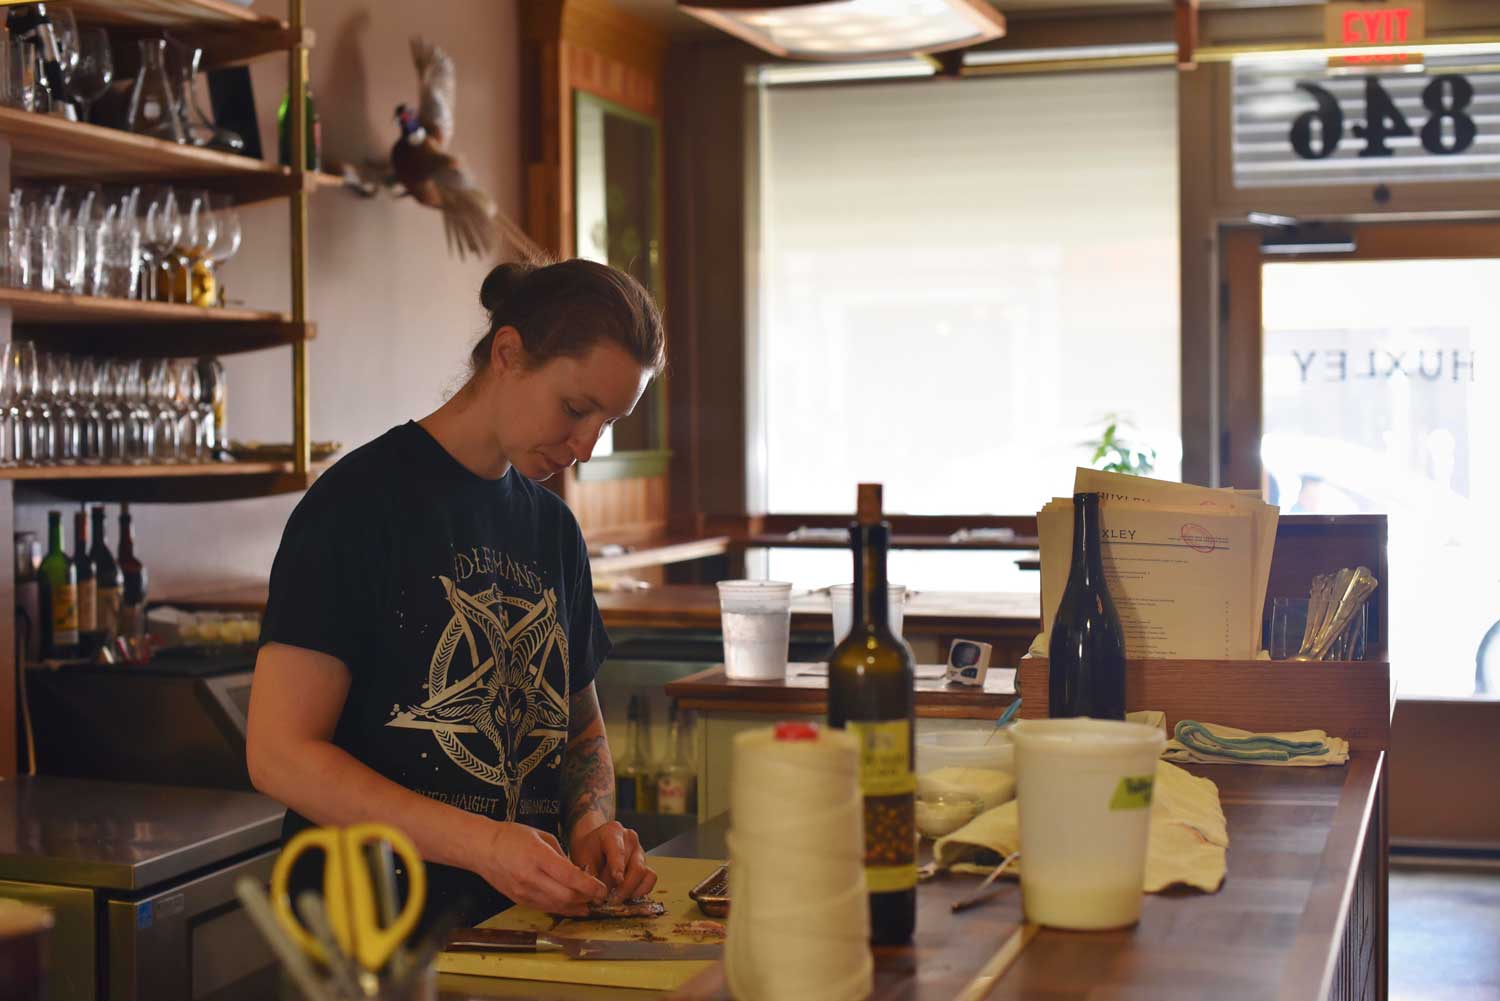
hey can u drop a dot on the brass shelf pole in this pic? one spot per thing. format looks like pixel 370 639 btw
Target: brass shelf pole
pixel 297 105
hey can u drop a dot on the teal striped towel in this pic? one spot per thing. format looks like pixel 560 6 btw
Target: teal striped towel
pixel 1210 743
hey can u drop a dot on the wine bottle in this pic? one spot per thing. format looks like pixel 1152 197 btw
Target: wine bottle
pixel 59 595
pixel 1086 652
pixel 314 130
pixel 677 783
pixel 871 681
pixel 106 582
pixel 88 595
pixel 134 579
pixel 632 765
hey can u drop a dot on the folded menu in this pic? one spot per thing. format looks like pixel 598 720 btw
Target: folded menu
pixel 1187 566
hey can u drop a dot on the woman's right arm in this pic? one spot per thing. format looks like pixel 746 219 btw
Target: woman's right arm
pixel 295 702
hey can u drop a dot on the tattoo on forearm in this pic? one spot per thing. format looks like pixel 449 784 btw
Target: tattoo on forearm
pixel 588 777
pixel 588 771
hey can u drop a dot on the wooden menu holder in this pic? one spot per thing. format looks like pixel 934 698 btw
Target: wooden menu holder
pixel 1348 699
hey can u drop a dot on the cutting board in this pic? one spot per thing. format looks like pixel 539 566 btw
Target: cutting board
pixel 675 878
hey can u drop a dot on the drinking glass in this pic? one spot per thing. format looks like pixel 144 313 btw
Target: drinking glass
pixel 69 417
pixel 45 435
pixel 200 229
pixel 10 392
pixel 93 70
pixel 33 232
pixel 140 427
pixel 211 404
pixel 161 391
pixel 187 391
pixel 227 243
pixel 21 374
pixel 117 254
pixel 90 411
pixel 115 405
pixel 153 101
pixel 161 229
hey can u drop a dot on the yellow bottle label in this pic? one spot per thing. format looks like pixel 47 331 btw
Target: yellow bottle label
pixel 889 787
pixel 88 611
pixel 65 614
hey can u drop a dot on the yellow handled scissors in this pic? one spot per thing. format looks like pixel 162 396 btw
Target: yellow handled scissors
pixel 349 893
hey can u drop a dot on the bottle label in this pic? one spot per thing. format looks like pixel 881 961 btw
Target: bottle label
pixel 65 615
pixel 88 606
pixel 672 794
pixel 107 615
pixel 889 787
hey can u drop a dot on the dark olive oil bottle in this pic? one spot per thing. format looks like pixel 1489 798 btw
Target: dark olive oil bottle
pixel 1086 651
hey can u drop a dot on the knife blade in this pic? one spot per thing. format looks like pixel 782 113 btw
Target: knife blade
pixel 509 940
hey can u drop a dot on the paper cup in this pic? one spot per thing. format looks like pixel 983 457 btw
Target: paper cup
pixel 757 621
pixel 1083 788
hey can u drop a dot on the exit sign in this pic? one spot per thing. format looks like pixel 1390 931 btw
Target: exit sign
pixel 1374 24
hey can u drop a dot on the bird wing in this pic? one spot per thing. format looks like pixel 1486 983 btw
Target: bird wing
pixel 468 213
pixel 438 81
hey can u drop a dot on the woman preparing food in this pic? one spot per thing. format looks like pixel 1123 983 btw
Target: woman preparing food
pixel 431 638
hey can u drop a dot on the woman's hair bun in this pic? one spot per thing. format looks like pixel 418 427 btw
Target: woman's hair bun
pixel 502 283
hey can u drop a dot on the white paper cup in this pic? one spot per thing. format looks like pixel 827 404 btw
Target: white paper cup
pixel 842 597
pixel 1084 794
pixel 757 620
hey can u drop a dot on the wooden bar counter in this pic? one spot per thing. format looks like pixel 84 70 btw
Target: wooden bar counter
pixel 1300 917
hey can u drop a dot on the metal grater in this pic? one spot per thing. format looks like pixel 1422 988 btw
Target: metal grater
pixel 712 895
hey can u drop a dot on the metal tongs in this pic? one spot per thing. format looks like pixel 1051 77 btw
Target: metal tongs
pixel 1336 598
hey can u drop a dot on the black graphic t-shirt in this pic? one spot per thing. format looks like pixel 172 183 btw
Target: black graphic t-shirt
pixel 464 610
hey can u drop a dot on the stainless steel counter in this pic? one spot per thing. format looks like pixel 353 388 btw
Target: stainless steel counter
pixel 125 836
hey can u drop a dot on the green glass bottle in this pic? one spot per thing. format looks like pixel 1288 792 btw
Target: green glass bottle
pixel 871 693
pixel 314 131
pixel 59 577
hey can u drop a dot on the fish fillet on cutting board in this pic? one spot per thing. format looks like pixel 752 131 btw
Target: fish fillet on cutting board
pixel 676 877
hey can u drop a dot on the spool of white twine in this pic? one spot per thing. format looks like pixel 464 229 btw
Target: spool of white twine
pixel 799 920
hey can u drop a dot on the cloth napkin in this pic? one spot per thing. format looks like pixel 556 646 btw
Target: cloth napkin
pixel 1188 835
pixel 1213 743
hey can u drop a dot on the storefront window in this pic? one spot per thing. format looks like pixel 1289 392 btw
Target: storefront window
pixel 963 284
pixel 1381 397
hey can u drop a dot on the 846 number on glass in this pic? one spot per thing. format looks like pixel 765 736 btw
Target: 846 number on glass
pixel 1446 98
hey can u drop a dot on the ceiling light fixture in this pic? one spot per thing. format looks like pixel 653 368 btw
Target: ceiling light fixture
pixel 852 29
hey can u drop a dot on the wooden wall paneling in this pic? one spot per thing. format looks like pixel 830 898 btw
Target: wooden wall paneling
pixel 1443 754
pixel 1240 351
pixel 1197 378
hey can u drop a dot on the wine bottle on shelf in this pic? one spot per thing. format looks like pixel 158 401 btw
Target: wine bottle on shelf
pixel 1086 651
pixel 314 130
pixel 630 767
pixel 133 579
pixel 59 579
pixel 88 595
pixel 871 682
pixel 677 782
pixel 106 583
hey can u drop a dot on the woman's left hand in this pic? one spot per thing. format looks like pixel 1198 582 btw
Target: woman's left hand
pixel 612 853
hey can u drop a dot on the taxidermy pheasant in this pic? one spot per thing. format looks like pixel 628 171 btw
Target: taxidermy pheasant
pixel 420 163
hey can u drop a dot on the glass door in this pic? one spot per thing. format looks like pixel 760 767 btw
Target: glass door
pixel 1379 393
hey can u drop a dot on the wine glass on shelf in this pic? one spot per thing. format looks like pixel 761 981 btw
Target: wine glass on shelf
pixel 21 371
pixel 45 434
pixel 93 70
pixel 161 392
pixel 187 390
pixel 140 427
pixel 10 398
pixel 226 243
pixel 90 410
pixel 200 228
pixel 161 229
pixel 69 415
pixel 115 407
pixel 211 399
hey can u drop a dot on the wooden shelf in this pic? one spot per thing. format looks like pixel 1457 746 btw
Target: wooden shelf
pixel 163 484
pixel 227 32
pixel 49 149
pixel 93 325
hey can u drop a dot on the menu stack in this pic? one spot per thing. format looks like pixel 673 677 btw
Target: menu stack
pixel 1187 566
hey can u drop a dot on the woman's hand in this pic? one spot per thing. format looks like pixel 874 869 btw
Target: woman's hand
pixel 529 867
pixel 612 852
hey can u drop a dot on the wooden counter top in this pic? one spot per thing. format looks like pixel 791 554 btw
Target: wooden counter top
pixel 689 606
pixel 802 695
pixel 1300 917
